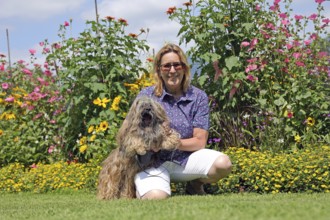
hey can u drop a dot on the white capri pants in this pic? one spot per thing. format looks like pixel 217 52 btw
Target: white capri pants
pixel 198 166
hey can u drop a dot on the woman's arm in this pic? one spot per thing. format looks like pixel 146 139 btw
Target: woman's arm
pixel 197 142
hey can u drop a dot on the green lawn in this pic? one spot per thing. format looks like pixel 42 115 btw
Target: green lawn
pixel 83 205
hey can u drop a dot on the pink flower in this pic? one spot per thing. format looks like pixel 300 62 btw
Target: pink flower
pixel 313 36
pixel 41 44
pixel 10 99
pixel 47 73
pixel 299 63
pixel 319 1
pixel 46 50
pixel 66 23
pixel 290 114
pixel 270 26
pixel 289 46
pixel 251 68
pixel 251 78
pixel 307 42
pixel 326 21
pixel 32 51
pixel 296 55
pixel 283 15
pixel 245 44
pixel 312 17
pixel 5 86
pixel 285 22
pixel 257 8
pixel 298 17
pixel 51 149
pixel 52 121
pixel 2 67
pixel 276 2
pixel 33 166
pixel 43 82
pixel 27 72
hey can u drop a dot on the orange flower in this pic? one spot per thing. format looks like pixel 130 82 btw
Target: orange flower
pixel 187 4
pixel 133 35
pixel 122 20
pixel 171 10
pixel 110 18
pixel 150 60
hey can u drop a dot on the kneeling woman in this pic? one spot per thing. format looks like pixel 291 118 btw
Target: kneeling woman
pixel 187 107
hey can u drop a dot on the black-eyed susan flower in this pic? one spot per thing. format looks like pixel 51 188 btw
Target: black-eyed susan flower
pixel 104 126
pixel 310 121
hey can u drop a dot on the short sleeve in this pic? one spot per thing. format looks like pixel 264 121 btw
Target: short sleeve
pixel 202 116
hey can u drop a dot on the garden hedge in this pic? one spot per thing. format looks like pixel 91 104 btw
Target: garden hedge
pixel 305 170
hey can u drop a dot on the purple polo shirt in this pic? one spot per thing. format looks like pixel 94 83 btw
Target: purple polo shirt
pixel 190 111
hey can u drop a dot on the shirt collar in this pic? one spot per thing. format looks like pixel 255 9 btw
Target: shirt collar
pixel 188 96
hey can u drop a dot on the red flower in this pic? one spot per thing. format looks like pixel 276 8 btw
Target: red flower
pixel 122 20
pixel 133 35
pixel 171 10
pixel 187 4
pixel 110 18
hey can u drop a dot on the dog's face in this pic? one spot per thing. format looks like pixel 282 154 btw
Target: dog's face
pixel 148 113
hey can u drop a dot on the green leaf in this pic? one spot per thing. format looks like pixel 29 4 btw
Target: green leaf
pixel 232 62
pixel 96 87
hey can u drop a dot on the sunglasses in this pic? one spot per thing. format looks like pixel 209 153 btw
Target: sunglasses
pixel 167 66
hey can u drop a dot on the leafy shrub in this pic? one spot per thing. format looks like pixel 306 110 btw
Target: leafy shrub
pixel 70 107
pixel 304 170
pixel 41 178
pixel 94 68
pixel 30 109
pixel 267 77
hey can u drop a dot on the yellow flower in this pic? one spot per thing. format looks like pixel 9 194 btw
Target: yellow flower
pixel 310 121
pixel 1 132
pixel 83 148
pixel 90 129
pixel 93 137
pixel 297 138
pixel 115 104
pixel 83 140
pixel 103 126
pixel 101 102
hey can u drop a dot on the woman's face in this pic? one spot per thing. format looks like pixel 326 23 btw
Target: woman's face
pixel 171 70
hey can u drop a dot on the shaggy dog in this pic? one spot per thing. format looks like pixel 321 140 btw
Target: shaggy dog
pixel 145 128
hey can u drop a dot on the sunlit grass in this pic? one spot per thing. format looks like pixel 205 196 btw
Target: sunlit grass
pixel 82 205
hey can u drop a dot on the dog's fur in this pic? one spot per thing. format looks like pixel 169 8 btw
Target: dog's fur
pixel 146 127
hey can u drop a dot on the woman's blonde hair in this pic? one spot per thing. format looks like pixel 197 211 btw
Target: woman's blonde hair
pixel 169 48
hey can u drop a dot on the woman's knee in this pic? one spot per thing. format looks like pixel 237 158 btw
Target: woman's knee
pixel 155 194
pixel 221 167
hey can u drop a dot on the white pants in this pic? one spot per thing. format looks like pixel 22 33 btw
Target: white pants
pixel 198 166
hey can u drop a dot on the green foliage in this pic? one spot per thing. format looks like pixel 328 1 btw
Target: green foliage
pixel 265 75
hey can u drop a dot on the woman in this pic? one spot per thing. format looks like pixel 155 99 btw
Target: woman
pixel 188 110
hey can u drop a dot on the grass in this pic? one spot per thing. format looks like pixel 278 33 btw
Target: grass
pixel 83 205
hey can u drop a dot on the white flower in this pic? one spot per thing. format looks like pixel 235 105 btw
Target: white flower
pixel 246 116
pixel 280 140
